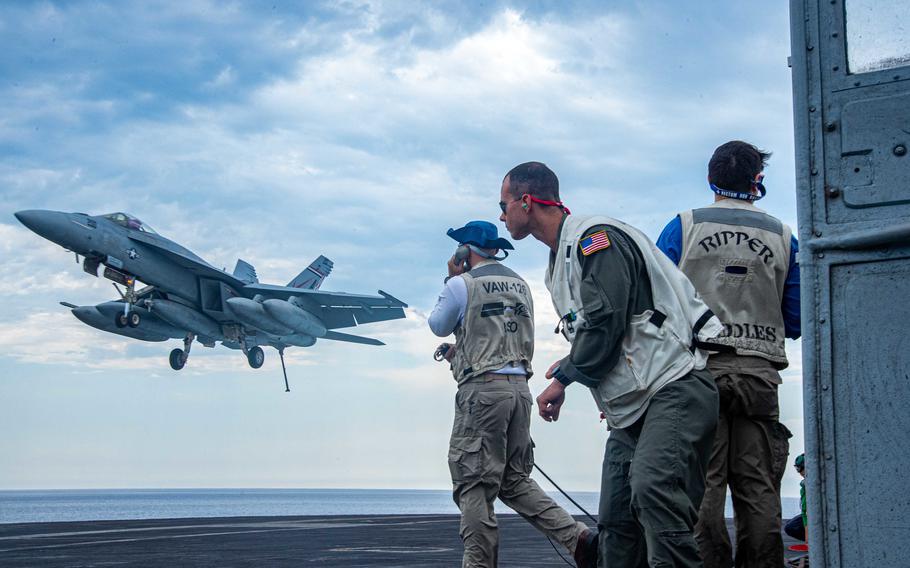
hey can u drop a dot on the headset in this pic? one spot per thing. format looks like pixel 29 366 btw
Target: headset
pixel 464 251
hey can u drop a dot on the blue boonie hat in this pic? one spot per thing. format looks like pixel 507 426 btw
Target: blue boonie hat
pixel 482 234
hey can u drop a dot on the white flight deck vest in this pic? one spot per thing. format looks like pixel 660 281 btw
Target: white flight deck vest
pixel 657 347
pixel 498 325
pixel 738 256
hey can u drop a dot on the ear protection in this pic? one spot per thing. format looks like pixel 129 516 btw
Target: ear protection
pixel 756 183
pixel 464 251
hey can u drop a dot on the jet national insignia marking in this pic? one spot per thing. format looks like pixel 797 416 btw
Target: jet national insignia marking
pixel 187 298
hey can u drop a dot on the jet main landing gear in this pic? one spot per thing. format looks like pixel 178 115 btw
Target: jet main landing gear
pixel 255 357
pixel 178 356
pixel 177 359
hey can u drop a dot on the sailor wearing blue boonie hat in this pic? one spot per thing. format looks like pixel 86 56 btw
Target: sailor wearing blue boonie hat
pixel 489 309
pixel 480 234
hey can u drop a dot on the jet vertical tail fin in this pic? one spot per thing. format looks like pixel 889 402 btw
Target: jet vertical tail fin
pixel 313 275
pixel 245 272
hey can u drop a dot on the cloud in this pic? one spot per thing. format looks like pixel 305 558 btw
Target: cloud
pixel 359 130
pixel 225 77
pixel 33 267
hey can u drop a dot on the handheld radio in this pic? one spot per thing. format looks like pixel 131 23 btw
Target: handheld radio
pixel 461 257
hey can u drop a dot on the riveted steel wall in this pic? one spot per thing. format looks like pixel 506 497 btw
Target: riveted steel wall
pixel 852 123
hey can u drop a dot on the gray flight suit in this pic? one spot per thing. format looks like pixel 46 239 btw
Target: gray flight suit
pixel 738 258
pixel 490 451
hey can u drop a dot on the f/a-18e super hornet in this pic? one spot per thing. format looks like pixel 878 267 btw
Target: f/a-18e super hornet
pixel 187 298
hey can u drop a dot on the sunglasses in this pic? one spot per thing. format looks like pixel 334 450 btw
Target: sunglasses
pixel 503 204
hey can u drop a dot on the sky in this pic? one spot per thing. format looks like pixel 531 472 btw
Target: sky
pixel 362 130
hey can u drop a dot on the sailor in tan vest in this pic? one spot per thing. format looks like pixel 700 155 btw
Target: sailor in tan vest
pixel 489 308
pixel 636 327
pixel 743 263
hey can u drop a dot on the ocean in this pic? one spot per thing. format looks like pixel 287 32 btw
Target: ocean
pixel 28 506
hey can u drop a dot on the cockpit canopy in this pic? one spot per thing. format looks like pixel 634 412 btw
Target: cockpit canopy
pixel 130 222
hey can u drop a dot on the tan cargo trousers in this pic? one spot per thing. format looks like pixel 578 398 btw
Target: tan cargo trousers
pixel 490 456
pixel 750 455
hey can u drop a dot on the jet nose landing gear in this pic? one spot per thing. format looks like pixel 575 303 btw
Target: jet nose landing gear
pixel 132 319
pixel 128 317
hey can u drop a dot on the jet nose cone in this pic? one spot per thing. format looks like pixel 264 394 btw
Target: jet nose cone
pixel 52 225
pixel 31 218
pixel 45 223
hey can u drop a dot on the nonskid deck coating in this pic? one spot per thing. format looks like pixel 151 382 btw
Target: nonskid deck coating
pixel 349 541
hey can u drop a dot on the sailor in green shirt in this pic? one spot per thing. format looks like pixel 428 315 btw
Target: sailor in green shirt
pixel 798 525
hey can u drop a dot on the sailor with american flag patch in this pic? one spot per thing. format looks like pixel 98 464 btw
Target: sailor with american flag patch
pixel 594 242
pixel 637 331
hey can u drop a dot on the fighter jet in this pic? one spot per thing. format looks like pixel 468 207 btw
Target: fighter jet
pixel 187 298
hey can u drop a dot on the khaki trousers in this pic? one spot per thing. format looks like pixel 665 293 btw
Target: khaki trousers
pixel 654 478
pixel 490 456
pixel 750 455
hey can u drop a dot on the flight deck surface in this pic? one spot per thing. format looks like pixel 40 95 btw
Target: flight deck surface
pixel 349 541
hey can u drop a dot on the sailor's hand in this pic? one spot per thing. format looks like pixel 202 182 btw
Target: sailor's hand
pixel 455 267
pixel 550 401
pixel 552 368
pixel 450 352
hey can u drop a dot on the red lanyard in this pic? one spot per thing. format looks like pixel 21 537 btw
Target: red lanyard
pixel 553 203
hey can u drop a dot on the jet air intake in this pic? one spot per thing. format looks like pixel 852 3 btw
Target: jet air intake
pixel 296 318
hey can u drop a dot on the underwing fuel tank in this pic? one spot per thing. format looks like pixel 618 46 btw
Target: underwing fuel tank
pixel 91 315
pixel 252 313
pixel 185 318
pixel 298 340
pixel 149 323
pixel 298 319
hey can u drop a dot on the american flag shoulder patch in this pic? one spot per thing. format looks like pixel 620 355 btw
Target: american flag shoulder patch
pixel 594 242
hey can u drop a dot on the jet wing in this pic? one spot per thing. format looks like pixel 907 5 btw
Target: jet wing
pixel 186 259
pixel 337 309
pixel 336 336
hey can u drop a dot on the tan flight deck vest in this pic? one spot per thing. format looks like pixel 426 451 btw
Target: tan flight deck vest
pixel 737 256
pixel 498 325
pixel 657 347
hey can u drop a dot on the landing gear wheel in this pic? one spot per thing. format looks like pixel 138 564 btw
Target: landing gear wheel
pixel 177 359
pixel 120 320
pixel 133 319
pixel 255 357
